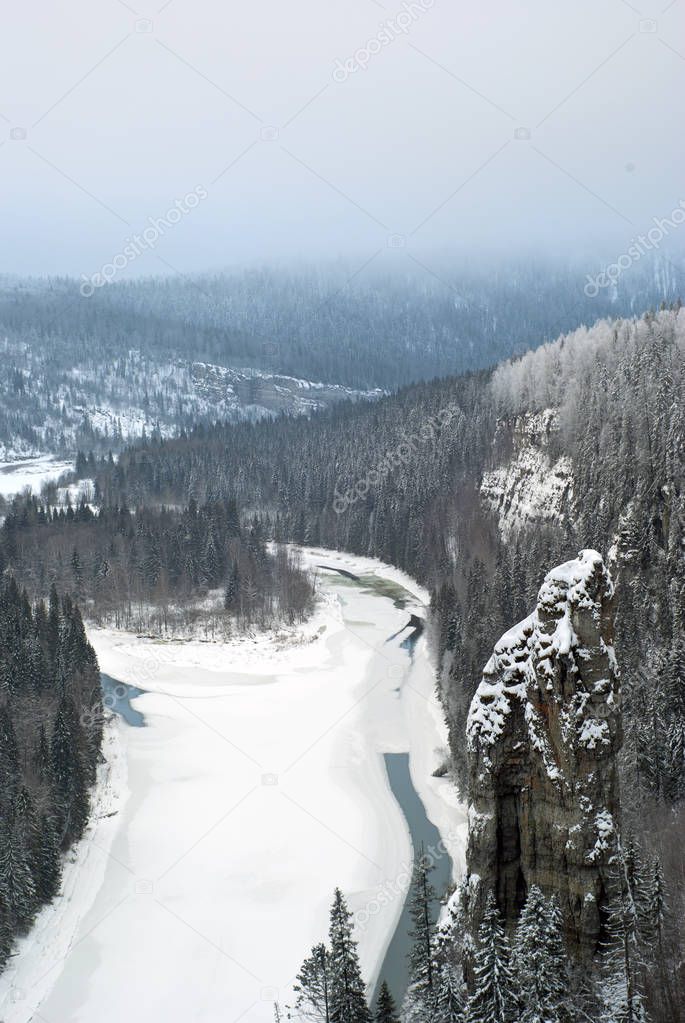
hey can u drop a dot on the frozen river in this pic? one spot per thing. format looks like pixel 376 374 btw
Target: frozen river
pixel 33 472
pixel 257 784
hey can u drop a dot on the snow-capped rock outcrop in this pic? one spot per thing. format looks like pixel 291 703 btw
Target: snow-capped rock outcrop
pixel 531 486
pixel 543 732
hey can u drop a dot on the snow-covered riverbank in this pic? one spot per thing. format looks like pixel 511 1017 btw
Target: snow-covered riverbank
pixel 32 472
pixel 256 787
pixel 40 957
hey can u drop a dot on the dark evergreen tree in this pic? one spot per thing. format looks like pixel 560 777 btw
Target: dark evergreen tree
pixel 494 997
pixel 620 996
pixel 6 936
pixel 17 888
pixel 67 772
pixel 421 992
pixel 48 862
pixel 386 1010
pixel 538 961
pixel 348 998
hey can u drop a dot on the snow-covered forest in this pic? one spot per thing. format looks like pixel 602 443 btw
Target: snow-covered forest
pixel 161 571
pixel 50 733
pixel 157 356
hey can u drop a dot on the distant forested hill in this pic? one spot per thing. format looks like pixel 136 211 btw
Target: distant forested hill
pixel 155 356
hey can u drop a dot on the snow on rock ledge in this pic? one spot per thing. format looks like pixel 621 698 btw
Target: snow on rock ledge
pixel 543 732
pixel 530 487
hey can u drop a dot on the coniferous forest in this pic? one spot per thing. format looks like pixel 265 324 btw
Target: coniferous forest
pixel 150 568
pixel 50 733
pixel 163 355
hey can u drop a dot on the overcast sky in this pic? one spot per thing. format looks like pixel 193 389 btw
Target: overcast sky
pixel 316 128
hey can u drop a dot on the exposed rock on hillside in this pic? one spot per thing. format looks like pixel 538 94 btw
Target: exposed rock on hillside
pixel 531 487
pixel 543 732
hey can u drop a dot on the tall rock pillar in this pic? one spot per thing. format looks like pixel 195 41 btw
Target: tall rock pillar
pixel 543 734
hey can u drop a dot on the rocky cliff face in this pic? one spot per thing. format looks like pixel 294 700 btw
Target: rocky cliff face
pixel 543 732
pixel 531 487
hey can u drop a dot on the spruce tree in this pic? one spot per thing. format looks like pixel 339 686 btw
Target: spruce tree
pixel 49 865
pixel 450 994
pixel 386 1010
pixel 538 961
pixel 6 936
pixel 27 827
pixel 53 625
pixel 655 905
pixel 653 933
pixel 71 795
pixel 619 994
pixel 557 958
pixel 9 756
pixel 448 959
pixel 420 998
pixel 313 986
pixel 41 756
pixel 493 999
pixel 348 999
pixel 17 889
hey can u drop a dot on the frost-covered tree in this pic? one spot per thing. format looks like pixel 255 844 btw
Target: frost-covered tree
pixel 420 999
pixel 48 860
pixel 347 991
pixel 448 966
pixel 17 888
pixel 494 997
pixel 655 905
pixel 313 986
pixel 70 787
pixel 620 997
pixel 6 935
pixel 49 678
pixel 539 961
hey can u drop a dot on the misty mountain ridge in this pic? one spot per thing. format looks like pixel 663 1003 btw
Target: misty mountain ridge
pixel 156 356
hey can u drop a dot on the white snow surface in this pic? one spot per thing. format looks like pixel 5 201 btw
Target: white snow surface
pixel 256 786
pixel 33 472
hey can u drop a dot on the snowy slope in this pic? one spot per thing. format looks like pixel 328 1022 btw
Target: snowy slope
pixel 45 409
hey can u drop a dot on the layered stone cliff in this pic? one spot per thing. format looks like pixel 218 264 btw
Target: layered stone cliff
pixel 543 733
pixel 531 487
